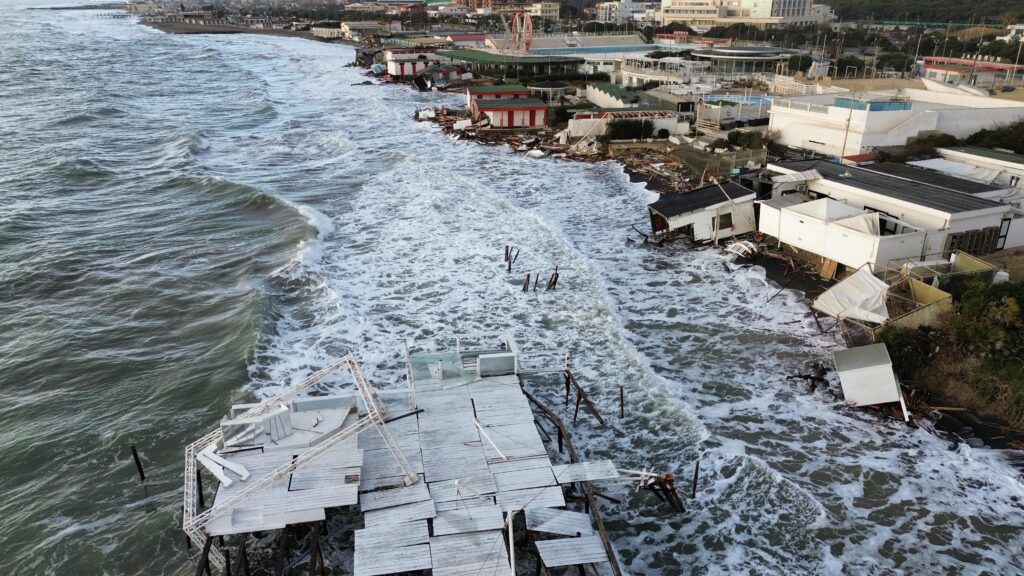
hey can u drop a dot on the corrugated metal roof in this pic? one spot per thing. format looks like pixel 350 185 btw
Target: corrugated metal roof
pixel 918 193
pixel 670 205
pixel 930 177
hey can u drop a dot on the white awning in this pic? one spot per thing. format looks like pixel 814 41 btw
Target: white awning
pixel 859 297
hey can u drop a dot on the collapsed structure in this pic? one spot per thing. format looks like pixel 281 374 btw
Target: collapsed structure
pixel 440 472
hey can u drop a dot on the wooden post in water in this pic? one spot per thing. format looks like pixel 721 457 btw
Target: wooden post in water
pixel 622 401
pixel 199 488
pixel 696 471
pixel 138 463
pixel 243 556
pixel 526 285
pixel 314 548
pixel 204 558
pixel 279 569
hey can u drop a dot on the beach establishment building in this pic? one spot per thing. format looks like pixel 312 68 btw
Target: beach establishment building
pixel 999 168
pixel 639 70
pixel 510 66
pixel 512 113
pixel 702 15
pixel 967 71
pixel 499 92
pixel 472 40
pixel 408 62
pixel 706 214
pixel 741 61
pixel 360 30
pixel 606 95
pixel 547 90
pixel 842 125
pixel 594 123
pixel 873 215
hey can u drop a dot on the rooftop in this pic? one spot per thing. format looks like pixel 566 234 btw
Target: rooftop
pixel 510 104
pixel 921 194
pixel 497 89
pixel 481 57
pixel 988 153
pixel 670 205
pixel 923 176
pixel 616 91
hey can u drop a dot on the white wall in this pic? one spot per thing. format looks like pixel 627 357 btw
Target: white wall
pixel 704 225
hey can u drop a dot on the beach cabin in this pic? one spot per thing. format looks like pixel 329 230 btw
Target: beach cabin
pixel 408 63
pixel 705 214
pixel 512 113
pixel 866 376
pixel 504 92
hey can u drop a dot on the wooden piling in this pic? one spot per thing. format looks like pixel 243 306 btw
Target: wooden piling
pixel 138 463
pixel 576 413
pixel 526 285
pixel 567 383
pixel 516 257
pixel 536 281
pixel 696 471
pixel 204 558
pixel 243 556
pixel 199 488
pixel 314 548
pixel 622 401
pixel 559 441
pixel 282 545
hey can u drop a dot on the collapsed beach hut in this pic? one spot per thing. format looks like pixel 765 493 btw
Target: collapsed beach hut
pixel 706 214
pixel 867 378
pixel 445 474
pixel 862 305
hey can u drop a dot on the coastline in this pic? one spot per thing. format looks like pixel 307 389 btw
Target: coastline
pixel 187 28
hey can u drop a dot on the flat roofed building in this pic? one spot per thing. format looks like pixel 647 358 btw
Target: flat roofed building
pixel 927 217
pixel 500 92
pixel 852 124
pixel 639 70
pixel 512 113
pixel 704 14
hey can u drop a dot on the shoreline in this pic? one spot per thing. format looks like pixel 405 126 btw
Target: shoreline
pixel 958 425
pixel 186 28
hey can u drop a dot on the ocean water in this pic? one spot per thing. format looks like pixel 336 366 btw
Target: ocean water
pixel 187 222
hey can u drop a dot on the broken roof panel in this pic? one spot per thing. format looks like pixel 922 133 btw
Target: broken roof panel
pixel 670 205
pixel 860 296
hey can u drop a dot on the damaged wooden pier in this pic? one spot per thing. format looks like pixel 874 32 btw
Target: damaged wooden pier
pixel 450 476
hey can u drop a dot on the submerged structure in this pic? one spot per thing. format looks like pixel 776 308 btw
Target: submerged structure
pixel 444 473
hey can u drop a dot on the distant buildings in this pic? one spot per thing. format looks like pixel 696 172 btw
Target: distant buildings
pixel 544 10
pixel 704 14
pixel 624 10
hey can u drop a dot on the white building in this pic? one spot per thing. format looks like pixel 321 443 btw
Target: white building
pixel 1014 33
pixel 605 95
pixel 544 10
pixel 638 70
pixel 850 125
pixel 866 215
pixel 704 14
pixel 625 10
pixel 706 214
pixel 999 168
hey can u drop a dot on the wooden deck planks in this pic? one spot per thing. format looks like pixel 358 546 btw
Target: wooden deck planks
pixel 585 471
pixel 548 497
pixel 558 521
pixel 390 560
pixel 571 551
pixel 402 534
pixel 520 479
pixel 464 520
pixel 399 514
pixel 396 497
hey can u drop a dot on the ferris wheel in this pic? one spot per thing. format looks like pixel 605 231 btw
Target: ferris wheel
pixel 522 33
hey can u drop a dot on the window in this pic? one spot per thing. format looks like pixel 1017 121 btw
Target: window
pixel 724 221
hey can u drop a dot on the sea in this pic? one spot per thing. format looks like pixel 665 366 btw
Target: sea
pixel 188 222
